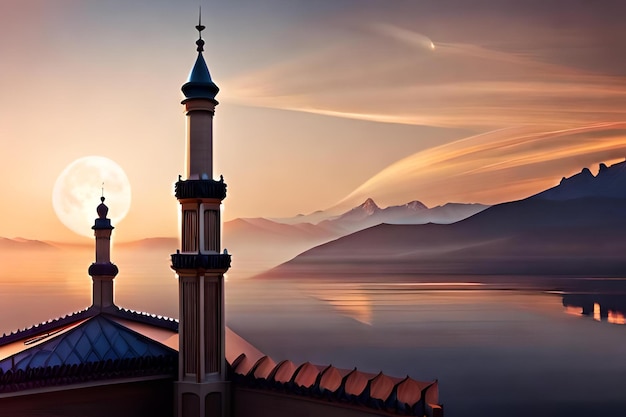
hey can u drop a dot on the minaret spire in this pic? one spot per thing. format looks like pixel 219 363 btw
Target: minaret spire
pixel 200 102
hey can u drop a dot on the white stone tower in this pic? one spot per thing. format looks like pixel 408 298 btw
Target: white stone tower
pixel 103 271
pixel 202 388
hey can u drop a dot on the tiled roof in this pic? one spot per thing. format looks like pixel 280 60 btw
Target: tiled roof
pixel 96 348
pixel 251 369
pixel 96 340
pixel 89 346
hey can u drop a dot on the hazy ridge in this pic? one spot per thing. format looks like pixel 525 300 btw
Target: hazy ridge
pixel 258 244
pixel 574 229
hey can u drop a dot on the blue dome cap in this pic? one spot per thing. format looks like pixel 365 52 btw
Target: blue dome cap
pixel 200 84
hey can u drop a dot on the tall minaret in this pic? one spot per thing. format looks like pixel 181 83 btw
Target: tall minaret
pixel 202 389
pixel 103 271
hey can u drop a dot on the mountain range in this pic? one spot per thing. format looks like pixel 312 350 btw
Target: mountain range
pixel 21 244
pixel 258 244
pixel 609 182
pixel 575 228
pixel 267 243
pixel 369 214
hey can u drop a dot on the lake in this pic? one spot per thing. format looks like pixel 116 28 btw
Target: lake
pixel 497 351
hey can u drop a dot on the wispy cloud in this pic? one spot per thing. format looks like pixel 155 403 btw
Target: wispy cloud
pixel 409 37
pixel 501 165
pixel 543 118
pixel 452 85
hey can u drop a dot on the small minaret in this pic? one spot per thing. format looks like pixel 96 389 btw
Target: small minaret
pixel 103 271
pixel 202 388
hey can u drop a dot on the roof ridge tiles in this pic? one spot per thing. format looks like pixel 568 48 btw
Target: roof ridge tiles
pixel 369 397
pixel 145 317
pixel 138 316
pixel 237 361
pixel 46 325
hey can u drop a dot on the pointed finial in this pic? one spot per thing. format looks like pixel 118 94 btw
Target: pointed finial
pixel 102 209
pixel 200 28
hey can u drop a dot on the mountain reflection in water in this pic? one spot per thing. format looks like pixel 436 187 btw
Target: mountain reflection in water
pixel 495 352
pixel 602 307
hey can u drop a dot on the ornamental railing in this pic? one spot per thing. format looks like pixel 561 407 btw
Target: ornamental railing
pixel 196 261
pixel 200 189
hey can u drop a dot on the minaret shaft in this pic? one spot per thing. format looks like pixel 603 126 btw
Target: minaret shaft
pixel 103 292
pixel 202 330
pixel 199 139
pixel 103 246
pixel 102 271
pixel 201 225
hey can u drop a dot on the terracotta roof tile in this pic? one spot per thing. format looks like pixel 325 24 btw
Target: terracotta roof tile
pixel 284 371
pixel 355 382
pixel 307 375
pixel 381 386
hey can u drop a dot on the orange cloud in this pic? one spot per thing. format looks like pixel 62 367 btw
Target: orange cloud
pixel 455 85
pixel 501 165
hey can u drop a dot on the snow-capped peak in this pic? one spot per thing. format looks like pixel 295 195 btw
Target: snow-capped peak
pixel 369 206
pixel 415 205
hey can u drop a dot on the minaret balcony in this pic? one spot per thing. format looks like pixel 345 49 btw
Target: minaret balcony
pixel 213 261
pixel 103 269
pixel 200 189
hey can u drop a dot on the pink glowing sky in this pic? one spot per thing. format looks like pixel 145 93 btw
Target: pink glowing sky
pixel 323 103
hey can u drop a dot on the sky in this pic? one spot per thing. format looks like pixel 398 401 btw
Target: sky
pixel 322 104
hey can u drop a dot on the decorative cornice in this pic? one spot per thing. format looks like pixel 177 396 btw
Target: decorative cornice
pixel 33 378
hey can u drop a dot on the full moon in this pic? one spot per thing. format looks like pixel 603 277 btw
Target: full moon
pixel 78 189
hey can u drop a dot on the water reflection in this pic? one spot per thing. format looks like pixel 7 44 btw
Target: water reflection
pixel 497 347
pixel 489 346
pixel 610 308
pixel 358 300
pixel 349 301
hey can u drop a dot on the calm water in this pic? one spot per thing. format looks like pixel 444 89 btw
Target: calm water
pixel 495 352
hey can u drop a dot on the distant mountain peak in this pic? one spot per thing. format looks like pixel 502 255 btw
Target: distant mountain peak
pixel 610 181
pixel 415 205
pixel 603 168
pixel 365 210
pixel 369 206
pixel 584 174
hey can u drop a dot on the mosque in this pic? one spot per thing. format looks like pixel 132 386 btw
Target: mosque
pixel 110 361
